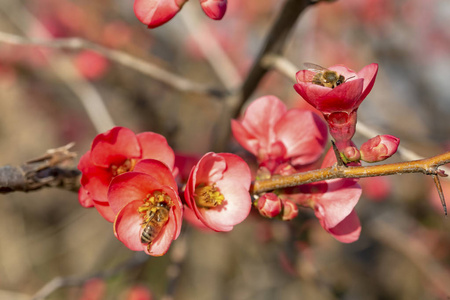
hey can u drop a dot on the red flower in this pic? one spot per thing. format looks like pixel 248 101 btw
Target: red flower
pixel 276 135
pixel 215 9
pixel 339 104
pixel 154 13
pixel 147 207
pixel 269 205
pixel 218 190
pixel 113 153
pixel 333 202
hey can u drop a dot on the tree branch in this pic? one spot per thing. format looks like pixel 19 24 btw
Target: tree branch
pixel 48 170
pixel 427 166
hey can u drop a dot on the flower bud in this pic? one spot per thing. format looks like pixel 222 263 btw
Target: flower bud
pixel 290 210
pixel 351 154
pixel 215 9
pixel 379 148
pixel 269 205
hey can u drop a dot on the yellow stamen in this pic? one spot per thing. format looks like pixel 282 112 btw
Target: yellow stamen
pixel 208 196
pixel 126 166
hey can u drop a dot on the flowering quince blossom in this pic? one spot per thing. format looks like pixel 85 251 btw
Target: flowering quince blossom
pixel 218 190
pixel 339 105
pixel 333 202
pixel 146 197
pixel 112 153
pixel 269 205
pixel 154 13
pixel 276 135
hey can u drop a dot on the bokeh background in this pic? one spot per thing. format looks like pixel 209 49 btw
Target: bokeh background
pixel 403 251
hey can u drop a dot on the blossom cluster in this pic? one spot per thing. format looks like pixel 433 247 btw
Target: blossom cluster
pixel 132 181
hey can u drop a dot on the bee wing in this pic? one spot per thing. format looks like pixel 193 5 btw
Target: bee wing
pixel 314 67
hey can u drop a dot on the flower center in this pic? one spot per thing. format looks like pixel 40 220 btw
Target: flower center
pixel 153 203
pixel 208 196
pixel 126 166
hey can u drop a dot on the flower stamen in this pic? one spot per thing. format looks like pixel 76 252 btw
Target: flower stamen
pixel 208 196
pixel 126 166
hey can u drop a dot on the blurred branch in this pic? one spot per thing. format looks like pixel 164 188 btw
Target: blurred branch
pixel 414 250
pixel 64 69
pixel 427 166
pixel 172 80
pixel 60 282
pixel 211 49
pixel 45 171
pixel 274 44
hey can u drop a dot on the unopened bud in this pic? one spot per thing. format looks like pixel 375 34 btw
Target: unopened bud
pixel 269 205
pixel 379 148
pixel 215 9
pixel 351 154
pixel 290 210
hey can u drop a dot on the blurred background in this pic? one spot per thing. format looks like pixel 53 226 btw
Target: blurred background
pixel 51 96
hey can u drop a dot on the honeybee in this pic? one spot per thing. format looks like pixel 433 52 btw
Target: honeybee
pixel 155 221
pixel 324 77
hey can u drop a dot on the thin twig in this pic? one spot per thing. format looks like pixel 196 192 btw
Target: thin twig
pixel 273 44
pixel 60 282
pixel 157 73
pixel 426 166
pixel 437 182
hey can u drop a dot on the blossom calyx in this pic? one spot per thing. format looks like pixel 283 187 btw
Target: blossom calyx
pixel 269 205
pixel 379 148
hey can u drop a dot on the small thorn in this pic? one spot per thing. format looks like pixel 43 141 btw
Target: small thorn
pixel 339 160
pixel 440 192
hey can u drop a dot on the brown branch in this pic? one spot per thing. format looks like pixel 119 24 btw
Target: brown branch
pixel 49 170
pixel 273 45
pixel 427 166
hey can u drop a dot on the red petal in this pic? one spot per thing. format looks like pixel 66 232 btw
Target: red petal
pixel 154 13
pixel 215 9
pixel 210 168
pixel 155 146
pixel 127 226
pixel 105 211
pixel 337 202
pixel 94 179
pixel 157 170
pixel 85 198
pixel 304 135
pixel 130 186
pixel 369 73
pixel 114 146
pixel 348 230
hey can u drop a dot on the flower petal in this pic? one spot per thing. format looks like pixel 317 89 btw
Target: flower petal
pixel 105 210
pixel 210 168
pixel 114 146
pixel 155 146
pixel 348 230
pixel 127 226
pixel 158 170
pixel 154 13
pixel 215 9
pixel 306 146
pixel 130 186
pixel 369 73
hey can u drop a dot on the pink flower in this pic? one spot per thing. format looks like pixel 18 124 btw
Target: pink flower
pixel 276 135
pixel 333 202
pixel 147 207
pixel 379 148
pixel 269 205
pixel 154 13
pixel 340 104
pixel 218 190
pixel 215 9
pixel 113 153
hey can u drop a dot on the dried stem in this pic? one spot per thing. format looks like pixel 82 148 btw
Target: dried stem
pixel 427 166
pixel 46 171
